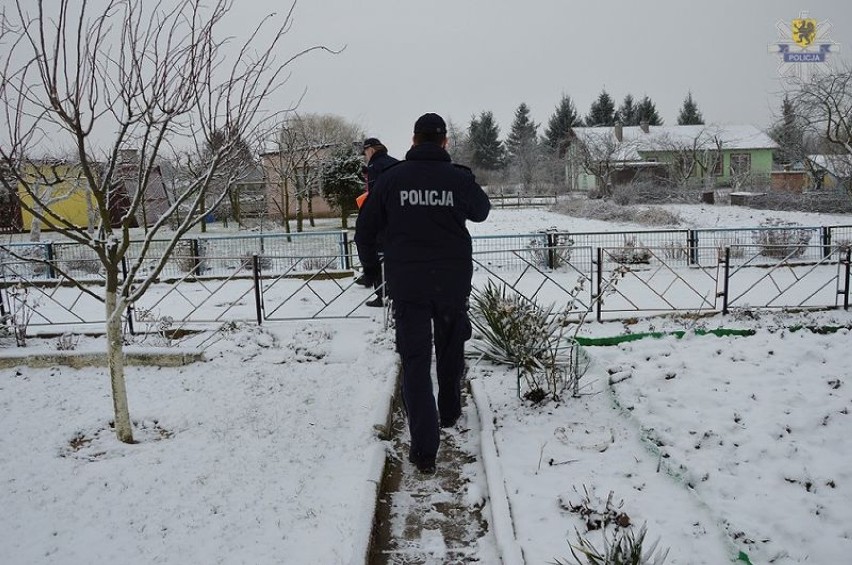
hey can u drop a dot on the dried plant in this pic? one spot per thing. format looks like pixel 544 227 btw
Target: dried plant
pixel 781 239
pixel 554 251
pixel 67 342
pixel 22 307
pixel 631 253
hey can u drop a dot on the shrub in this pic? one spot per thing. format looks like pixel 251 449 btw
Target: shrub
pixel 85 266
pixel 555 256
pixel 264 262
pixel 609 211
pixel 21 310
pixel 625 548
pixel 513 330
pixel 186 259
pixel 780 239
pixel 676 251
pixel 631 253
pixel 67 342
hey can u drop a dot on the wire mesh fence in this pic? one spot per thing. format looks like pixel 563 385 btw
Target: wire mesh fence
pixel 299 276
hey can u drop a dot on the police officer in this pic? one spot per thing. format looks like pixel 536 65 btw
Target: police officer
pixel 376 155
pixel 378 160
pixel 421 204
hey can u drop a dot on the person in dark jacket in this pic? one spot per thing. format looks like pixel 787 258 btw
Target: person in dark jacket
pixel 376 155
pixel 422 205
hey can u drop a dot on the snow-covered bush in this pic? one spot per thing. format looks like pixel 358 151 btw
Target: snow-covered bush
pixel 608 211
pixel 676 251
pixel 21 309
pixel 555 253
pixel 781 239
pixel 631 253
pixel 67 342
pixel 189 256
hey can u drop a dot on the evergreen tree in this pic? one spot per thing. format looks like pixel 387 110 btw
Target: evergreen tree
pixel 628 113
pixel 647 112
pixel 524 132
pixel 342 182
pixel 559 126
pixel 689 113
pixel 486 149
pixel 237 165
pixel 602 112
pixel 788 133
pixel 522 145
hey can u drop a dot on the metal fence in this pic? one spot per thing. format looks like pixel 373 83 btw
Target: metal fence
pixel 303 276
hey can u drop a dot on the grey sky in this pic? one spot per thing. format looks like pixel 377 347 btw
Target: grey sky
pixel 460 57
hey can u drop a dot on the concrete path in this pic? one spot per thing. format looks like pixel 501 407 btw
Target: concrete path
pixel 435 519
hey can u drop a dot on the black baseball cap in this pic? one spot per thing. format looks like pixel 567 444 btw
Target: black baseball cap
pixel 430 123
pixel 370 142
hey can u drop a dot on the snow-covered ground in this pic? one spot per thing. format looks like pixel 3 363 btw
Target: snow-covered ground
pixel 267 452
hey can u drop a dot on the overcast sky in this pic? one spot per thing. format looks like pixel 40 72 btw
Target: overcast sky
pixel 459 57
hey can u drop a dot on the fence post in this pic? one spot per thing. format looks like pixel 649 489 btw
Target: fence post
pixel 692 246
pixel 347 260
pixel 126 289
pixel 51 274
pixel 2 306
pixel 255 270
pixel 727 271
pixel 551 249
pixel 848 273
pixel 598 297
pixel 826 242
pixel 196 259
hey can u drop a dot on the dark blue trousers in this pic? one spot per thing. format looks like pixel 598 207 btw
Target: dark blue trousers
pixel 415 321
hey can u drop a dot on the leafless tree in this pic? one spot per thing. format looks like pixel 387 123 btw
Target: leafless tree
pixel 691 158
pixel 299 147
pixel 824 102
pixel 599 153
pixel 147 77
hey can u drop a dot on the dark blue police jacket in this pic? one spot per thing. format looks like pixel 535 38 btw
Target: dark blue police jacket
pixel 377 165
pixel 422 205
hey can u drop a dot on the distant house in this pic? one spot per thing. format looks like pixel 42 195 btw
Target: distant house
pixel 61 187
pixel 293 173
pixel 830 171
pixel 10 209
pixel 54 187
pixel 709 155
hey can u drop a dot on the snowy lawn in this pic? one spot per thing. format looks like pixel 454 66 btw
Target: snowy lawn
pixel 262 454
pixel 721 445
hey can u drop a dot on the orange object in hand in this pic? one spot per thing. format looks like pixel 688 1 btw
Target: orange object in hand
pixel 360 199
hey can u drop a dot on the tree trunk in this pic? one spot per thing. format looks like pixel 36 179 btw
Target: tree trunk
pixel 115 361
pixel 203 212
pixel 286 208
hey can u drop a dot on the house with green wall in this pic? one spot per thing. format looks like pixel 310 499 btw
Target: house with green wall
pixel 700 155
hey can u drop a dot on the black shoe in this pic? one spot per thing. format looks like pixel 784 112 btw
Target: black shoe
pixel 375 303
pixel 365 281
pixel 449 422
pixel 425 467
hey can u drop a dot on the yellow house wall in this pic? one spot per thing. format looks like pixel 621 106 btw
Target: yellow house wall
pixel 72 207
